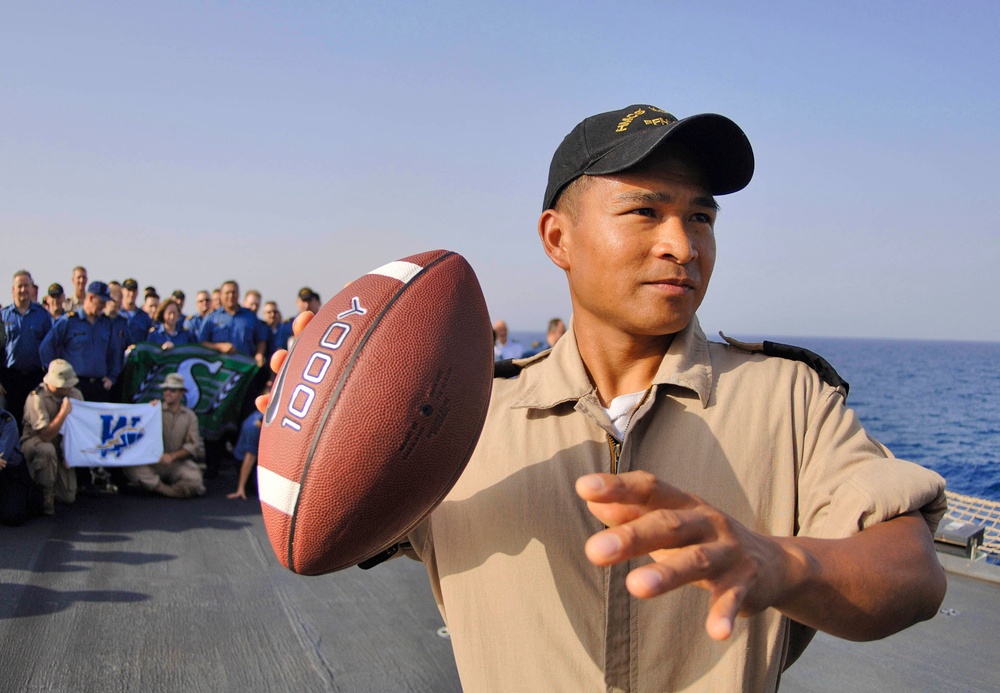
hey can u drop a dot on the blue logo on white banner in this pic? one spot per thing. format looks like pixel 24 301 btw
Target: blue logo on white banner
pixel 117 434
pixel 98 434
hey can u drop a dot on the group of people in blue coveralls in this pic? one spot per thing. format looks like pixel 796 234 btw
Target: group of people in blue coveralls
pixel 93 330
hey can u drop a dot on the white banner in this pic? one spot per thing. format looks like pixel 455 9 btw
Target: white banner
pixel 99 434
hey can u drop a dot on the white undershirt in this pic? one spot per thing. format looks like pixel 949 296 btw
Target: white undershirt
pixel 620 410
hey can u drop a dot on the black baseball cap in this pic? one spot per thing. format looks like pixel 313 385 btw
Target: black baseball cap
pixel 55 290
pixel 616 141
pixel 130 284
pixel 307 294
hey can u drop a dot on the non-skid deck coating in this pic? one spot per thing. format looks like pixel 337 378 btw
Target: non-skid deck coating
pixel 130 593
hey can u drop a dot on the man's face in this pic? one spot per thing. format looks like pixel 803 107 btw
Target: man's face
pixel 93 305
pixel 202 302
pixel 79 281
pixel 500 327
pixel 111 308
pixel 59 391
pixel 252 303
pixel 271 315
pixel 55 305
pixel 115 292
pixel 230 296
pixel 172 397
pixel 128 298
pixel 150 305
pixel 639 250
pixel 21 290
pixel 556 333
pixel 216 300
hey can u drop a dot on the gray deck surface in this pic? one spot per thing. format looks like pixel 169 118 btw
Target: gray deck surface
pixel 130 593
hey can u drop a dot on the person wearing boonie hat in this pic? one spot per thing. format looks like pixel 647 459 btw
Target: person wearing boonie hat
pixel 668 489
pixel 139 322
pixel 176 473
pixel 45 411
pixel 88 340
pixel 25 324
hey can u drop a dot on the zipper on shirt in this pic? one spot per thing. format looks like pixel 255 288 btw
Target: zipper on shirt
pixel 616 451
pixel 614 445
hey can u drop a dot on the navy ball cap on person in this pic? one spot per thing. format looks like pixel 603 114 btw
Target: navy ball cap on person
pixel 99 289
pixel 616 141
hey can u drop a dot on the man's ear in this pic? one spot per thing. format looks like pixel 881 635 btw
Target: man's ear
pixel 553 227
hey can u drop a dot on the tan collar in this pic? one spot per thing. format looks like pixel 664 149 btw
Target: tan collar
pixel 561 377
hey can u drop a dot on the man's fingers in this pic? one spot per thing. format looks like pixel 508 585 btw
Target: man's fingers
pixel 722 613
pixel 301 321
pixel 278 358
pixel 262 402
pixel 637 488
pixel 650 532
pixel 673 568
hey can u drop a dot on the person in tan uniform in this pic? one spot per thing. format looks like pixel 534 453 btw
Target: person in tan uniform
pixel 74 301
pixel 647 510
pixel 175 474
pixel 45 411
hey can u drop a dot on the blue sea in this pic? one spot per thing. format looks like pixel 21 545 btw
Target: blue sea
pixel 934 403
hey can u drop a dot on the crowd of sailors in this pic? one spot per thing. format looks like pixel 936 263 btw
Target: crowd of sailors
pixel 71 345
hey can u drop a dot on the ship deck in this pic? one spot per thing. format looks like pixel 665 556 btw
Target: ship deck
pixel 130 593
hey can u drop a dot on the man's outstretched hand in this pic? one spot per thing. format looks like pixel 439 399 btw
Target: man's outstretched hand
pixel 689 541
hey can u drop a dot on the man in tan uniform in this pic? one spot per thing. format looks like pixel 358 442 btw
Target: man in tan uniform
pixel 45 411
pixel 175 474
pixel 650 511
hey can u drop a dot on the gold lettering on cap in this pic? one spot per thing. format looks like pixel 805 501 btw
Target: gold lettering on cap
pixel 627 120
pixel 658 121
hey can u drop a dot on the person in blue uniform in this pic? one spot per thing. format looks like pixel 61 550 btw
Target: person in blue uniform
pixel 54 301
pixel 139 322
pixel 203 303
pixel 119 326
pixel 25 324
pixel 168 332
pixel 232 329
pixel 88 340
pixel 245 452
pixel 272 318
pixel 20 498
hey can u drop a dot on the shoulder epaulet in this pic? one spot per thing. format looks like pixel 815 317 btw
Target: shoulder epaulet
pixel 819 364
pixel 506 369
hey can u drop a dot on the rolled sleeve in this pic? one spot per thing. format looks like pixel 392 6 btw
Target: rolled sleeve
pixel 851 482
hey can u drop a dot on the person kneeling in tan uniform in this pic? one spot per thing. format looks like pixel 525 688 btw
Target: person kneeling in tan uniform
pixel 175 474
pixel 45 410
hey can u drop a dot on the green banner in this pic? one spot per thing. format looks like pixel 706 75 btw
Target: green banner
pixel 217 384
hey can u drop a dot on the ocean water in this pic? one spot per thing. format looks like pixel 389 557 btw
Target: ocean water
pixel 934 403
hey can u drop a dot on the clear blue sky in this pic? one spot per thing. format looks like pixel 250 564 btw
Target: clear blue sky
pixel 287 144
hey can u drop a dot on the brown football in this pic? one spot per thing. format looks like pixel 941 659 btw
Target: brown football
pixel 375 412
